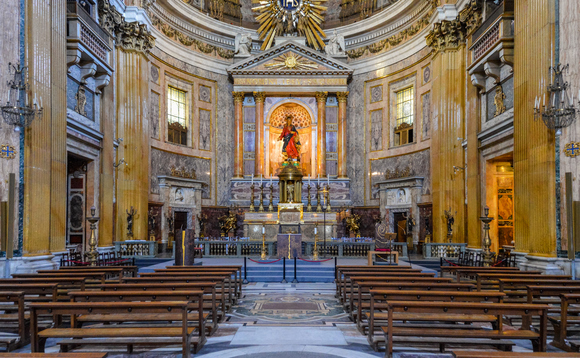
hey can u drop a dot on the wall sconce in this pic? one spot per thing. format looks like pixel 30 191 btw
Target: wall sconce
pixel 457 169
pixel 122 161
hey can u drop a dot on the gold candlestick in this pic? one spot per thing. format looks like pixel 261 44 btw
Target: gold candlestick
pixel 327 198
pixel 252 208
pixel 271 206
pixel 318 205
pixel 315 254
pixel 261 208
pixel 263 256
pixel 289 249
pixel 93 254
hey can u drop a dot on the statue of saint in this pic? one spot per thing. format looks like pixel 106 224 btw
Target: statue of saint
pixel 130 218
pixel 290 189
pixel 336 45
pixel 291 147
pixel 152 223
pixel 243 44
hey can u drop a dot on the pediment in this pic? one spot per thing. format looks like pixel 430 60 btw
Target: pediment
pixel 290 59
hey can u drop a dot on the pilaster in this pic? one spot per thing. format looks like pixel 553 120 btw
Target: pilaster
pixel 321 138
pixel 260 98
pixel 342 105
pixel 239 135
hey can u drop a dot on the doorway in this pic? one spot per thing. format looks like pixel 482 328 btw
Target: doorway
pixel 180 222
pixel 76 201
pixel 400 227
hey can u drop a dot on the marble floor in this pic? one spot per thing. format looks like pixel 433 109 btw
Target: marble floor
pixel 286 320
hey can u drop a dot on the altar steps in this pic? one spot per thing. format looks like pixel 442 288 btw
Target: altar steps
pixel 305 272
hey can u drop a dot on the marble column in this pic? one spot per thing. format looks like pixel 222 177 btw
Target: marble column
pixel 342 102
pixel 321 139
pixel 239 136
pixel 132 94
pixel 45 155
pixel 259 97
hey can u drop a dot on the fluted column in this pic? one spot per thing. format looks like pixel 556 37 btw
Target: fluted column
pixel 321 142
pixel 260 97
pixel 342 102
pixel 239 136
pixel 45 156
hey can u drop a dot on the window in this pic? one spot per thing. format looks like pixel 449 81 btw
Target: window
pixel 405 117
pixel 176 116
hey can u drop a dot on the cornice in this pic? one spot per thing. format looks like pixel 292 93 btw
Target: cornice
pixel 450 34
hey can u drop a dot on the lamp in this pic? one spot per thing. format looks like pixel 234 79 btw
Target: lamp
pixel 17 111
pixel 93 254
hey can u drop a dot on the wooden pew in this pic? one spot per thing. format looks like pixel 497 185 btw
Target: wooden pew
pixel 110 272
pixel 490 280
pixel 64 283
pixel 130 271
pixel 17 321
pixel 405 279
pixel 378 317
pixel 459 312
pixel 363 303
pixel 517 287
pixel 55 355
pixel 237 283
pixel 482 354
pixel 341 269
pixel 346 283
pixel 569 315
pixel 452 270
pixel 238 268
pixel 93 276
pixel 211 304
pixel 117 334
pixel 469 272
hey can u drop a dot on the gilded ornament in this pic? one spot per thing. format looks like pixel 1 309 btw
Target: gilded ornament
pixel 290 61
pixel 498 101
pixel 342 96
pixel 183 173
pixel 7 152
pixel 238 97
pixel 571 149
pixel 259 96
pixel 398 174
pixel 321 96
pixel 288 17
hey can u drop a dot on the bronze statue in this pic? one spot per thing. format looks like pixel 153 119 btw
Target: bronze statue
pixel 450 221
pixel 353 224
pixel 228 223
pixel 152 223
pixel 130 218
pixel 169 218
pixel 202 219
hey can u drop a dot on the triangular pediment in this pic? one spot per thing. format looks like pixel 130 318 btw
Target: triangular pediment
pixel 290 59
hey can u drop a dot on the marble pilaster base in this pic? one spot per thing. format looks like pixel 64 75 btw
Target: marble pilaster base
pixel 27 264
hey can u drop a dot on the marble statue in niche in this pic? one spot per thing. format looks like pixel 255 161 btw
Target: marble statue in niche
pixel 179 195
pixel 130 219
pixel 336 45
pixel 243 44
pixel 498 101
pixel 81 98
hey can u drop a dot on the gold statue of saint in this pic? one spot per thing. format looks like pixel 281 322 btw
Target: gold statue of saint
pixel 291 147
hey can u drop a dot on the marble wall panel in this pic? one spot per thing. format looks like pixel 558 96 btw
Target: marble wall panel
pixel 332 114
pixel 224 121
pixel 204 129
pixel 426 115
pixel 154 115
pixel 331 142
pixel 419 163
pixel 161 163
pixel 205 93
pixel 376 93
pixel 250 114
pixel 376 130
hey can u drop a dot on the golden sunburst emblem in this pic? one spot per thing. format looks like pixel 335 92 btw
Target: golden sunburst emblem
pixel 291 62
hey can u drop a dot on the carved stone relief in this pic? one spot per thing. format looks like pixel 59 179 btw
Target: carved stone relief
pixel 154 113
pixel 426 107
pixel 204 129
pixel 377 130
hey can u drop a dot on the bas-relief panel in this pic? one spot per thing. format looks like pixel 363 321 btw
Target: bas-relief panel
pixel 161 163
pixel 376 130
pixel 205 93
pixel 339 191
pixel 418 163
pixel 154 115
pixel 204 129
pixel 376 93
pixel 508 90
pixel 426 109
pixel 224 130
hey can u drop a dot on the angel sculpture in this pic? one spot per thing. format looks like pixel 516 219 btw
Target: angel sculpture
pixel 243 44
pixel 336 45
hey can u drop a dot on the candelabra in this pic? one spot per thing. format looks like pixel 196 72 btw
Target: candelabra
pixel 271 206
pixel 315 254
pixel 318 205
pixel 93 254
pixel 18 111
pixel 486 239
pixel 309 206
pixel 261 208
pixel 327 193
pixel 263 255
pixel 252 197
pixel 559 112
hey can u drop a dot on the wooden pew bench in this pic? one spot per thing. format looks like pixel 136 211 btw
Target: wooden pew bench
pixel 468 273
pixel 89 277
pixel 110 273
pixel 64 283
pixel 13 321
pixel 377 315
pixel 237 268
pixel 490 281
pixel 223 286
pixel 353 291
pixel 340 273
pixel 452 270
pixel 56 355
pixel 482 354
pixel 363 302
pixel 213 302
pixel 158 334
pixel 128 271
pixel 569 315
pixel 455 312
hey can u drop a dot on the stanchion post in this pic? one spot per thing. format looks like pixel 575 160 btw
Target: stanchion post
pixel 295 280
pixel 335 270
pixel 245 270
pixel 284 270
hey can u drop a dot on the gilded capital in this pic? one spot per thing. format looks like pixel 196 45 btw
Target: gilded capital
pixel 342 96
pixel 321 96
pixel 260 97
pixel 131 36
pixel 447 35
pixel 238 97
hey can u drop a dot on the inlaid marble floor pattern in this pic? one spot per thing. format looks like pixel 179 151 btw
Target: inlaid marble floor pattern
pixel 302 320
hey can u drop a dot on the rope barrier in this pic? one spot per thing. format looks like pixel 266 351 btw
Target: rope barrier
pixel 498 263
pixel 452 263
pixel 264 263
pixel 314 261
